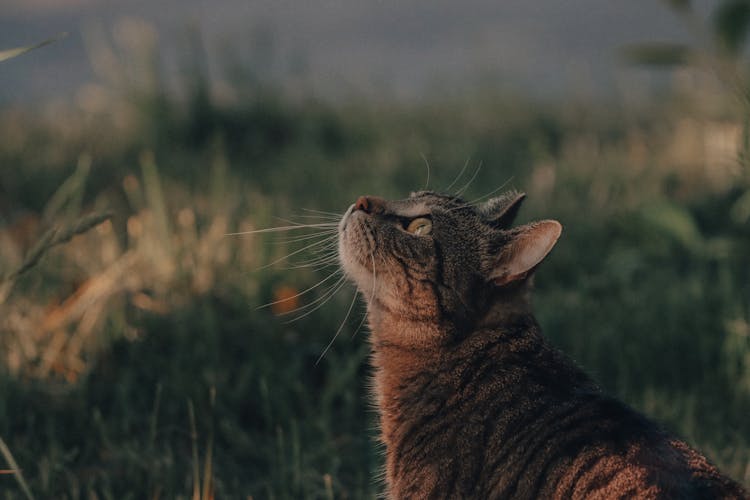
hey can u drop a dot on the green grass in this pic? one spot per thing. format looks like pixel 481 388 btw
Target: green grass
pixel 171 376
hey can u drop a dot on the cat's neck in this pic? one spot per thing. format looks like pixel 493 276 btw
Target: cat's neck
pixel 402 351
pixel 402 345
pixel 414 377
pixel 507 307
pixel 402 348
pixel 405 349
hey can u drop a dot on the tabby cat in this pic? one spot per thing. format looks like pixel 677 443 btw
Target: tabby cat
pixel 473 402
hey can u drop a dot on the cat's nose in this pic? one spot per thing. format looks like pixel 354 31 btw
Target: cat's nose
pixel 370 204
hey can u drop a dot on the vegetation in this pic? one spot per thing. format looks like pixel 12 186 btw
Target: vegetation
pixel 136 362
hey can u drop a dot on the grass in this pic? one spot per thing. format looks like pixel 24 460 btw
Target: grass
pixel 135 360
pixel 17 51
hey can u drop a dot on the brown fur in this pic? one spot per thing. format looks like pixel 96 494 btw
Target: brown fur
pixel 473 402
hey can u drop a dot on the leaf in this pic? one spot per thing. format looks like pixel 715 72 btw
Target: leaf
pixel 11 53
pixel 660 54
pixel 731 22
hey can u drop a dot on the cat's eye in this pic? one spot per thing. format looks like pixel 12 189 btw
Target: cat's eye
pixel 420 226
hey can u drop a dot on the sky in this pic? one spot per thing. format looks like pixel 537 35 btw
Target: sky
pixel 395 48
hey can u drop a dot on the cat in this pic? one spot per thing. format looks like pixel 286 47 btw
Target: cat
pixel 473 402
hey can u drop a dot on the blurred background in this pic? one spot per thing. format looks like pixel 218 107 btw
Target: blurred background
pixel 136 359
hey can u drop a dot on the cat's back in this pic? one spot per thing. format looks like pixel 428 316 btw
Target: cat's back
pixel 600 448
pixel 483 424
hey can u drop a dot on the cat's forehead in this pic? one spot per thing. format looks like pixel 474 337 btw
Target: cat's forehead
pixel 432 198
pixel 424 202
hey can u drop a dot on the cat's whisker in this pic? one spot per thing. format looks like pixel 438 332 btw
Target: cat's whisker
pixel 427 164
pixel 319 217
pixel 326 254
pixel 374 274
pixel 315 267
pixel 361 323
pixel 327 235
pixel 460 174
pixel 297 239
pixel 324 261
pixel 306 247
pixel 318 306
pixel 316 285
pixel 320 301
pixel 330 242
pixel 322 250
pixel 316 231
pixel 322 212
pixel 323 258
pixel 329 225
pixel 341 327
pixel 466 186
pixel 313 264
pixel 319 258
pixel 482 198
pixel 327 258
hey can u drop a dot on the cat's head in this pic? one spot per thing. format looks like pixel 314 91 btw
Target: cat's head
pixel 436 259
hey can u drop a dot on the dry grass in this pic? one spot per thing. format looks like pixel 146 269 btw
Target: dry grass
pixel 14 469
pixel 161 261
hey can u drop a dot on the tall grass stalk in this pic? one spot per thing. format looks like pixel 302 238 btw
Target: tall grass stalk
pixel 194 447
pixel 5 451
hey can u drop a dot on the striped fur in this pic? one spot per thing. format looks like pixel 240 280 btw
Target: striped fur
pixel 473 402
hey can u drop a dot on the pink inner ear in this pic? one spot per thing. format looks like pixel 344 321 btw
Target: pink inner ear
pixel 527 249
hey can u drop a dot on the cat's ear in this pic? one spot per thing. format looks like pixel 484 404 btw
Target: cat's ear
pixel 502 210
pixel 523 249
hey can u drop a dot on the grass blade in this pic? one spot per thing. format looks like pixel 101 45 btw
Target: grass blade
pixel 208 473
pixel 11 53
pixel 16 470
pixel 194 443
pixel 36 253
pixel 55 237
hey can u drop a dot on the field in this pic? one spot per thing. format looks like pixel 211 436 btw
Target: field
pixel 136 361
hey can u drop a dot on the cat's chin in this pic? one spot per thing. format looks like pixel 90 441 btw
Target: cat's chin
pixel 355 270
pixel 357 273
